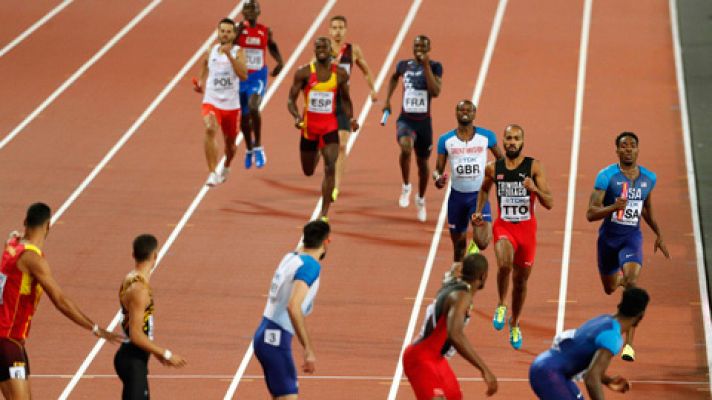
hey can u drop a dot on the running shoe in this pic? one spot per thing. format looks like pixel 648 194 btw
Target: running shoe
pixel 324 218
pixel 515 336
pixel 214 179
pixel 420 205
pixel 472 248
pixel 334 194
pixel 628 354
pixel 499 313
pixel 260 157
pixel 404 200
pixel 248 159
pixel 224 174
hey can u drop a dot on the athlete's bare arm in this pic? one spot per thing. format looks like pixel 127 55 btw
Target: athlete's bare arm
pixel 300 80
pixel 433 81
pixel 596 210
pixel 496 152
pixel 203 73
pixel 596 376
pixel 238 63
pixel 38 267
pixel 456 308
pixel 136 298
pixel 539 185
pixel 346 104
pixel 392 84
pixel 484 194
pixel 274 52
pixel 294 308
pixel 438 176
pixel 653 224
pixel 360 61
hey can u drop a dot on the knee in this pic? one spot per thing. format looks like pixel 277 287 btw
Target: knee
pixel 210 131
pixel 254 110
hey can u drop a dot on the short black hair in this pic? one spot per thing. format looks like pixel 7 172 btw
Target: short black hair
pixel 474 267
pixel 633 302
pixel 37 215
pixel 626 134
pixel 465 101
pixel 143 246
pixel 315 232
pixel 423 38
pixel 228 21
pixel 339 18
pixel 515 126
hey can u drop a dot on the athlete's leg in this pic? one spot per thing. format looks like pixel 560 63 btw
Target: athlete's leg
pixel 229 130
pixel 482 235
pixel 519 291
pixel 246 120
pixel 211 146
pixel 459 242
pixel 341 160
pixel 230 150
pixel 255 118
pixel 309 155
pixel 423 174
pixel 406 149
pixel 608 265
pixel 330 152
pixel 631 271
pixel 504 251
pixel 16 389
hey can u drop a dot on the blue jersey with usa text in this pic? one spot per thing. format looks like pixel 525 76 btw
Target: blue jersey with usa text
pixel 416 98
pixel 572 350
pixel 612 180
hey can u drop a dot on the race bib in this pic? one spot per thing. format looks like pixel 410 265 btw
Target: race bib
pixel 630 215
pixel 467 167
pixel 255 58
pixel 273 337
pixel 18 371
pixel 149 323
pixel 321 102
pixel 223 81
pixel 515 209
pixel 415 101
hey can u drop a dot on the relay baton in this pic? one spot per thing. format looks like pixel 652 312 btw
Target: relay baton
pixel 624 194
pixel 385 116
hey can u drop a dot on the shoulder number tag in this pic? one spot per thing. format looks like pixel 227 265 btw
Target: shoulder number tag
pixel 3 280
pixel 18 371
pixel 273 337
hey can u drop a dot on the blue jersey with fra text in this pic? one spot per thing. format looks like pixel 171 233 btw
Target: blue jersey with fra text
pixel 612 180
pixel 416 98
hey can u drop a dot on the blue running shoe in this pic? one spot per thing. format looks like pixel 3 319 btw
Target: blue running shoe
pixel 515 336
pixel 248 159
pixel 499 314
pixel 260 158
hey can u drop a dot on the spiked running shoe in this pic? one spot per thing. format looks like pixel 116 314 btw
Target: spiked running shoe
pixel 515 336
pixel 260 158
pixel 499 313
pixel 628 354
pixel 248 159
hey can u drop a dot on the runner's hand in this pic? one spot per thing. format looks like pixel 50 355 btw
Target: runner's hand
pixel 387 106
pixel 477 219
pixel 299 123
pixel 277 69
pixel 620 203
pixel 110 336
pixel 225 49
pixel 491 382
pixel 619 384
pixel 196 86
pixel 309 362
pixel 175 361
pixel 442 181
pixel 659 244
pixel 374 96
pixel 354 125
pixel 530 185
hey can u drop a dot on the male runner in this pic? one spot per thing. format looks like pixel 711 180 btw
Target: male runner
pixel 621 196
pixel 345 55
pixel 466 148
pixel 24 275
pixel 221 70
pixel 519 181
pixel 322 82
pixel 136 300
pixel 291 298
pixel 255 38
pixel 425 361
pixel 587 351
pixel 414 129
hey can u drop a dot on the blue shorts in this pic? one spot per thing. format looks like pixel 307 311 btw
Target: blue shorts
pixel 273 349
pixel 420 130
pixel 550 384
pixel 614 251
pixel 460 207
pixel 256 83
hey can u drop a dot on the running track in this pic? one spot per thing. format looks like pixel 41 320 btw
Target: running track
pixel 210 286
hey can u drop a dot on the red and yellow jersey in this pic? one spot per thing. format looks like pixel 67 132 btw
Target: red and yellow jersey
pixel 253 39
pixel 320 99
pixel 19 292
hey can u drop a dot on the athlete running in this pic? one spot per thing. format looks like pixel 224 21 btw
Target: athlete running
pixel 221 70
pixel 255 39
pixel 322 82
pixel 414 129
pixel 346 55
pixel 519 182
pixel 466 149
pixel 621 196
pixel 425 361
pixel 587 352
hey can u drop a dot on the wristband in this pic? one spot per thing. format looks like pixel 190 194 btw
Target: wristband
pixel 95 329
pixel 167 354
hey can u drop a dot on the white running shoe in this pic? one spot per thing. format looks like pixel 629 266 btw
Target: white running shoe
pixel 420 205
pixel 224 174
pixel 404 200
pixel 214 179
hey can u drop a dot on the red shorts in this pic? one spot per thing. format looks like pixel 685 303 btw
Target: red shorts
pixel 314 142
pixel 521 235
pixel 227 119
pixel 430 376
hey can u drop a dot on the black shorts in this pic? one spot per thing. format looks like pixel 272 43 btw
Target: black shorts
pixel 314 145
pixel 131 364
pixel 420 130
pixel 344 123
pixel 14 363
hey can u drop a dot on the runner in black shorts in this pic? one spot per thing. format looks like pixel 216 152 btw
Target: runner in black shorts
pixel 421 82
pixel 136 299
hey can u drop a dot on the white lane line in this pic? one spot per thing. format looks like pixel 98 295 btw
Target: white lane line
pixel 573 167
pixel 114 322
pixel 479 85
pixel 61 6
pixel 692 186
pixel 78 73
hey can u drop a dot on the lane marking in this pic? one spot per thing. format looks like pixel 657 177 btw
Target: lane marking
pixel 573 168
pixel 479 86
pixel 78 73
pixel 56 10
pixel 692 186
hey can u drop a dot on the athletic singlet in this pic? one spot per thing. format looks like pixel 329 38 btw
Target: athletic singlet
pixel 516 203
pixel 222 85
pixel 254 41
pixel 467 159
pixel 19 291
pixel 614 182
pixel 344 58
pixel 416 98
pixel 434 329
pixel 147 313
pixel 320 99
